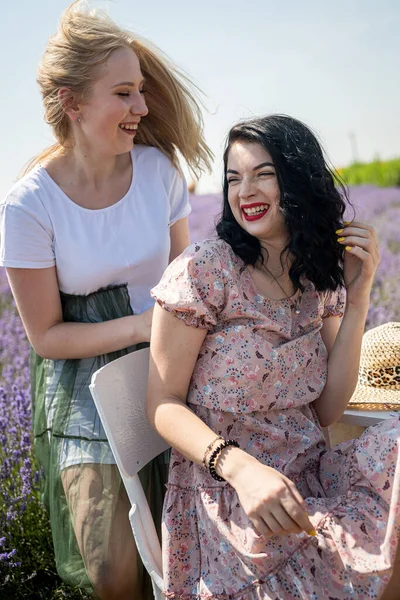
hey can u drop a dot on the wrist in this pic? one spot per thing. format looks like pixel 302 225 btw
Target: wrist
pixel 357 310
pixel 358 300
pixel 231 463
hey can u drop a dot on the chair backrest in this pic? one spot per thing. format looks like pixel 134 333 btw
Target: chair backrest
pixel 119 392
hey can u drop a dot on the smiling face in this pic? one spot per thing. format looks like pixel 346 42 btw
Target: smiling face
pixel 111 115
pixel 253 192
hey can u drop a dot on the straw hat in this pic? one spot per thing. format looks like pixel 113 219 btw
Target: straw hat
pixel 378 386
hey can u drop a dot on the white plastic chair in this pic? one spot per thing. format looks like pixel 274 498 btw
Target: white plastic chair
pixel 119 393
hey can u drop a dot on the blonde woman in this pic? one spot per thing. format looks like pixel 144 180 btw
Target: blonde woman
pixel 85 235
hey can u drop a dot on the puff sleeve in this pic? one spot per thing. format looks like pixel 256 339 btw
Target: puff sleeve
pixel 334 303
pixel 193 286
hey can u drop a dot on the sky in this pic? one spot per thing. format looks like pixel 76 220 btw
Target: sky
pixel 333 65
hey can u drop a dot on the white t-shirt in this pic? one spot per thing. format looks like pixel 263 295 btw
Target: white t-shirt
pixel 128 242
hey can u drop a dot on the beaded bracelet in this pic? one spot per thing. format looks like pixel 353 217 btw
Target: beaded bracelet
pixel 207 450
pixel 212 463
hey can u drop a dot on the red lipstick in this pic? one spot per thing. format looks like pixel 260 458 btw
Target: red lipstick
pixel 257 216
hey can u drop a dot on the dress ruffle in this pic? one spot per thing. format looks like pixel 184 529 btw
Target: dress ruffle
pixel 357 524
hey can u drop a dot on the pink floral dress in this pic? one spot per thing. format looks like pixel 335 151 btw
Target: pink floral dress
pixel 260 368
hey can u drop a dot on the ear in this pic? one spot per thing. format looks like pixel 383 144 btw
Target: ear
pixel 69 103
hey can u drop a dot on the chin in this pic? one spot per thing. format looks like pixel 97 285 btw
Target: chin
pixel 255 228
pixel 124 148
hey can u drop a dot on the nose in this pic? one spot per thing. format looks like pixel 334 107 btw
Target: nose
pixel 139 106
pixel 246 188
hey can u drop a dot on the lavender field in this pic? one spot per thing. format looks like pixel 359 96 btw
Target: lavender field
pixel 25 548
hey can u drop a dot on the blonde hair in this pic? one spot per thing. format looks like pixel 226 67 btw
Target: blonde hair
pixel 73 59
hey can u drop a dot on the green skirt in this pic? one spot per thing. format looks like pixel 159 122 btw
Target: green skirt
pixel 81 487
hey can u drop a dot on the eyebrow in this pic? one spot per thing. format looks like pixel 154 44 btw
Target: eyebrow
pixel 128 83
pixel 264 164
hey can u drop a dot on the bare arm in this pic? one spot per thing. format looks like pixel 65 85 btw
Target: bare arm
pixel 179 233
pixel 37 297
pixel 343 341
pixel 171 367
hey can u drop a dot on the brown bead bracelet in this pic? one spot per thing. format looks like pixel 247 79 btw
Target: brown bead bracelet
pixel 215 455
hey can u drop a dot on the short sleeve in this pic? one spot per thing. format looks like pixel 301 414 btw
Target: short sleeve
pixel 334 303
pixel 178 198
pixel 25 239
pixel 193 286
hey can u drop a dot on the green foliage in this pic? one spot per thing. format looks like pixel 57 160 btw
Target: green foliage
pixel 35 577
pixel 380 173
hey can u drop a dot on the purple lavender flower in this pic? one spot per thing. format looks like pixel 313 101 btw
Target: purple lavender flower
pixel 18 481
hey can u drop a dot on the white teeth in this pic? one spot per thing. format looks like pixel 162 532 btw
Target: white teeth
pixel 256 209
pixel 130 126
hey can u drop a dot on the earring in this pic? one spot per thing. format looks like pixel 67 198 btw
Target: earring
pixel 79 119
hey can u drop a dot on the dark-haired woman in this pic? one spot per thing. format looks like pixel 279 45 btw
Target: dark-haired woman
pixel 254 349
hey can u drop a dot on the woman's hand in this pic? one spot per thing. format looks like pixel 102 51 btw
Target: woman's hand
pixel 270 500
pixel 361 260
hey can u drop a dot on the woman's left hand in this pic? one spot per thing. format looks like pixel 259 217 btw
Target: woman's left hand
pixel 361 259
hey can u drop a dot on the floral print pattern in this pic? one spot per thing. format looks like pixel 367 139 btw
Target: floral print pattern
pixel 259 369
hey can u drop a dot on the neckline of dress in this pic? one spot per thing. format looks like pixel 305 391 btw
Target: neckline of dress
pixel 288 299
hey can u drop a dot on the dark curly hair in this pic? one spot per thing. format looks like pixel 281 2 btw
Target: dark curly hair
pixel 312 201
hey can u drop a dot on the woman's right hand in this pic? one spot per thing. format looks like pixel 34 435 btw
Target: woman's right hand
pixel 142 330
pixel 270 500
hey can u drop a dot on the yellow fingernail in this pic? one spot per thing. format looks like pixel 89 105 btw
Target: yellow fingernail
pixel 339 231
pixel 312 532
pixel 346 222
pixel 348 248
pixel 341 239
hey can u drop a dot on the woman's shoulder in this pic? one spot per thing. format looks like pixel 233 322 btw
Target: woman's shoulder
pixel 27 193
pixel 213 248
pixel 152 167
pixel 211 256
pixel 150 155
pixel 196 285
